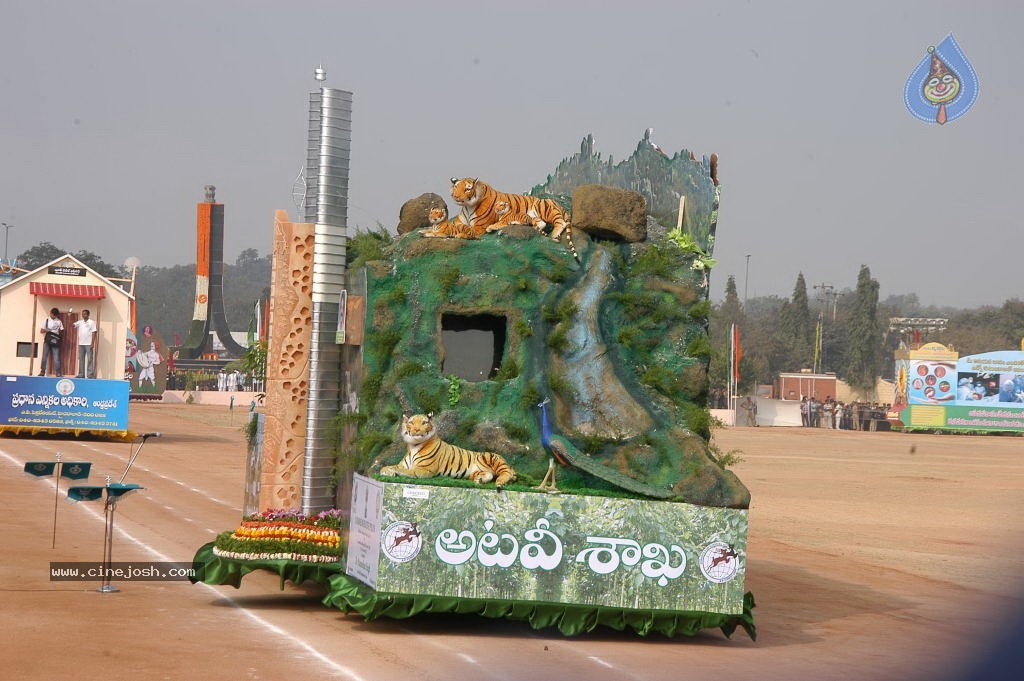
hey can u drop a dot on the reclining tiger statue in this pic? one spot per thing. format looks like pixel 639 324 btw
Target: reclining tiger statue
pixel 428 456
pixel 480 200
pixel 546 211
pixel 442 227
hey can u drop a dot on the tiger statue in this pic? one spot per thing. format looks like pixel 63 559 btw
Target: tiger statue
pixel 478 200
pixel 543 213
pixel 428 456
pixel 442 227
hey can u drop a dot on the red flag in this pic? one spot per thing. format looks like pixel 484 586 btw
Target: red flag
pixel 266 320
pixel 737 352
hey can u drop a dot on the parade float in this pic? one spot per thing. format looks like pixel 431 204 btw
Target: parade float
pixel 938 390
pixel 502 411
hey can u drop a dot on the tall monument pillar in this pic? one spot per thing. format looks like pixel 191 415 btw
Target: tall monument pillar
pixel 208 308
pixel 326 207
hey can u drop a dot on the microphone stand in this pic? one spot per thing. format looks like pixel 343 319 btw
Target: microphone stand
pixel 109 506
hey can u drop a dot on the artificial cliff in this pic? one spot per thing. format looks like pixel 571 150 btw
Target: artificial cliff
pixel 617 341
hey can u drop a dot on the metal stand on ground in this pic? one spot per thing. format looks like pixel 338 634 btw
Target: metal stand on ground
pixel 56 496
pixel 75 470
pixel 114 491
pixel 109 506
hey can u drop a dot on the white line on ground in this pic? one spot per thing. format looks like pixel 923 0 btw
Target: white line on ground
pixel 178 482
pixel 490 671
pixel 339 669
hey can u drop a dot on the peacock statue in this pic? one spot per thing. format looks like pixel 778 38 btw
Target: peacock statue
pixel 562 452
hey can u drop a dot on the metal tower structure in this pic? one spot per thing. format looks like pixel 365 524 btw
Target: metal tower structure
pixel 326 206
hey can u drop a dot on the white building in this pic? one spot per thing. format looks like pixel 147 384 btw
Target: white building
pixel 70 286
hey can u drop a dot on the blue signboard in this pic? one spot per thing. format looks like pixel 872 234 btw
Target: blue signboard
pixel 63 403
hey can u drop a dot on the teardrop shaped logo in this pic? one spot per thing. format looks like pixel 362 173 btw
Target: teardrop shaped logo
pixel 943 86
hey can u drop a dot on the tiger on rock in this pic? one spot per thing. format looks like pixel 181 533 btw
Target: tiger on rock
pixel 544 212
pixel 442 227
pixel 480 200
pixel 428 456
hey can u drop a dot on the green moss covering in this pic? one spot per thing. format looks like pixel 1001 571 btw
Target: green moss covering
pixel 648 319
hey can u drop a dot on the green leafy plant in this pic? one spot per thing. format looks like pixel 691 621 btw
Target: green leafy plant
pixel 702 261
pixel 448 276
pixel 509 369
pixel 563 312
pixel 454 390
pixel 516 431
pixel 701 310
pixel 559 384
pixel 408 368
pixel 699 347
pixel 723 459
pixel 661 379
pixel 558 339
pixel 365 246
pixel 530 396
pixel 559 273
pixel 370 390
pixel 250 429
pixel 523 328
pixel 428 401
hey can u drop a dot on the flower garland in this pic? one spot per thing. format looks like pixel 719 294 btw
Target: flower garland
pixel 236 555
pixel 284 534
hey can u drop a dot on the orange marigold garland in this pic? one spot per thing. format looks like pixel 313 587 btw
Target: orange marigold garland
pixel 280 534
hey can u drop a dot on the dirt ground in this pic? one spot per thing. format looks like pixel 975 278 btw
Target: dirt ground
pixel 871 555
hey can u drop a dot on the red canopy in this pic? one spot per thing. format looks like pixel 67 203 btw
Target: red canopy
pixel 38 288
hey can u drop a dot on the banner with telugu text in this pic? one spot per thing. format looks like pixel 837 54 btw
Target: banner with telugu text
pixel 520 546
pixel 63 403
pixel 983 392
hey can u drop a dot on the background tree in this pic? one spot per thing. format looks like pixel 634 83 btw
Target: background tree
pixel 795 332
pixel 985 329
pixel 39 255
pixel 864 335
pixel 728 313
pixel 165 295
pixel 45 252
pixel 97 264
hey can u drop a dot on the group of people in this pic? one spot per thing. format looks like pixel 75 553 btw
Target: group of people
pixel 52 331
pixel 990 389
pixel 223 381
pixel 1012 389
pixel 829 413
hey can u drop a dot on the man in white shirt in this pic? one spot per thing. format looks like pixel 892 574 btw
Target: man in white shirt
pixel 52 331
pixel 86 338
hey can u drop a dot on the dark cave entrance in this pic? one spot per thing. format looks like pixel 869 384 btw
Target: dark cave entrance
pixel 474 345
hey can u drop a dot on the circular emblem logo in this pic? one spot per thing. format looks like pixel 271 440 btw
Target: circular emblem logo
pixel 201 298
pixel 401 541
pixel 65 386
pixel 719 562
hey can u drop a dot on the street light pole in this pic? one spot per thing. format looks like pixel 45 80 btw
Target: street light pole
pixel 746 276
pixel 7 232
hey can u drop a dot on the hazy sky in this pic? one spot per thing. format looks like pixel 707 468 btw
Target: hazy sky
pixel 113 115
